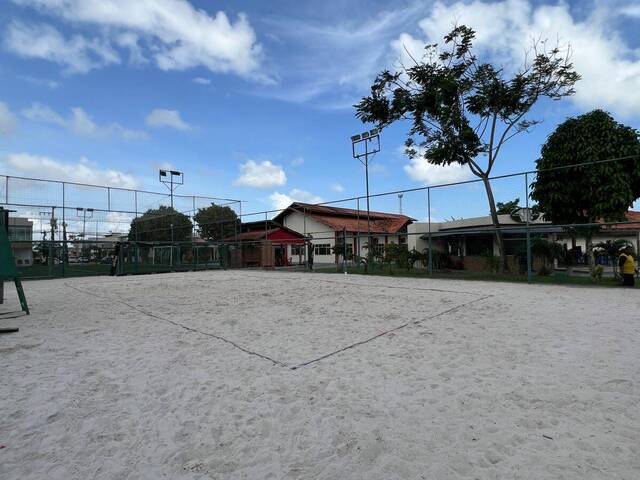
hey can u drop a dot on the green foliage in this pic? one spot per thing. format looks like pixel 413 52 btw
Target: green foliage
pixel 217 222
pixel 588 193
pixel 492 262
pixel 338 249
pixel 462 110
pixel 612 250
pixel 596 274
pixel 507 208
pixel 155 225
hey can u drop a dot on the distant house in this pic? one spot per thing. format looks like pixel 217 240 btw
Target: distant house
pixel 474 238
pixel 325 226
pixel 21 238
pixel 269 244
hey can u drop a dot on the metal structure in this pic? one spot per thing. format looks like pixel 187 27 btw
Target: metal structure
pixel 371 142
pixel 114 209
pixel 171 179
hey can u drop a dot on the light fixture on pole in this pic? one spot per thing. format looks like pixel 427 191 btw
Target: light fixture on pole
pixel 400 195
pixel 84 213
pixel 371 141
pixel 171 179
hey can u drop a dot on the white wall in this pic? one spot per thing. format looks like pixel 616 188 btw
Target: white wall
pixel 323 234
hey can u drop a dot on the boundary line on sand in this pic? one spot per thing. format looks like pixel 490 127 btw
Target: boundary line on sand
pixel 185 327
pixel 324 280
pixel 382 334
pixel 272 360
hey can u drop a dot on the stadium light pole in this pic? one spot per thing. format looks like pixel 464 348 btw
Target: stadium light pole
pixel 83 212
pixel 371 141
pixel 171 179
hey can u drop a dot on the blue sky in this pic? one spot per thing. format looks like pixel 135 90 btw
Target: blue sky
pixel 253 100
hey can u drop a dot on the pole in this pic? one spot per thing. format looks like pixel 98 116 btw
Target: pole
pixel 344 254
pixel 366 173
pixel 171 256
pixel 171 191
pixel 529 268
pixel 430 268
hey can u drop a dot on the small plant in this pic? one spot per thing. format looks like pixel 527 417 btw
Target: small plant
pixel 545 270
pixel 596 273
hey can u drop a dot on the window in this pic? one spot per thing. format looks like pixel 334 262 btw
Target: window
pixel 322 249
pixel 297 250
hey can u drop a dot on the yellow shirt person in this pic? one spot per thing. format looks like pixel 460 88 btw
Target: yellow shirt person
pixel 628 268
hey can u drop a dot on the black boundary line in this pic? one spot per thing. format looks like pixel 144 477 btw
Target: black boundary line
pixel 276 362
pixel 382 334
pixel 185 327
pixel 372 284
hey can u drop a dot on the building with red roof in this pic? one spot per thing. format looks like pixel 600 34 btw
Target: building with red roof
pixel 326 226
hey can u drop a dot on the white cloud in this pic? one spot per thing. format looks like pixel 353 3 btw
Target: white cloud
pixel 43 82
pixel 610 67
pixel 83 171
pixel 280 201
pixel 261 175
pixel 202 81
pixel 174 33
pixel 8 121
pixel 77 54
pixel 419 170
pixel 336 187
pixel 335 62
pixel 298 161
pixel 80 122
pixel 161 117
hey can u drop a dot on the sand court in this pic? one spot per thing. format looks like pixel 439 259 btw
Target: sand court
pixel 249 374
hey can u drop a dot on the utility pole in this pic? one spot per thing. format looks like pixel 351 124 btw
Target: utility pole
pixel 400 195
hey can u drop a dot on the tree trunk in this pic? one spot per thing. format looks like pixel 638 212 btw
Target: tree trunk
pixel 496 224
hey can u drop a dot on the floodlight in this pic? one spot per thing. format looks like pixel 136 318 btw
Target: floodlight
pixel 355 138
pixel 365 135
pixel 163 173
pixel 177 174
pixel 374 131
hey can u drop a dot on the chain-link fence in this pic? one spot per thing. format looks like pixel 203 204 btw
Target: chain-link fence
pixel 447 229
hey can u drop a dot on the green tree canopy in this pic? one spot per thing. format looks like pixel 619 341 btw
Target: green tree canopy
pixel 507 208
pixel 463 111
pixel 585 194
pixel 217 222
pixel 156 225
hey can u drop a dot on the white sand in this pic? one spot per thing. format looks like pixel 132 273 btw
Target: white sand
pixel 107 388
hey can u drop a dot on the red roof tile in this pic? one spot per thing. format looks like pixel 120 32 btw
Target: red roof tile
pixel 352 220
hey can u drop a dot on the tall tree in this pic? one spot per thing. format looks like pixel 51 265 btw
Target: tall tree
pixel 162 224
pixel 217 222
pixel 585 194
pixel 463 111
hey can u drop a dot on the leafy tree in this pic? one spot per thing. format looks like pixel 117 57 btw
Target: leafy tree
pixel 463 111
pixel 217 222
pixel 585 194
pixel 507 208
pixel 156 225
pixel 547 251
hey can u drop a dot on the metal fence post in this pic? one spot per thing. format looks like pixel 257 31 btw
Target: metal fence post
pixel 344 253
pixel 529 259
pixel 430 268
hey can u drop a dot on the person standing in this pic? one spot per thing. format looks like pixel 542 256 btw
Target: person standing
pixel 627 266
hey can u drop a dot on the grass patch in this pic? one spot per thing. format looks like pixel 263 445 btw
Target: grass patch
pixel 557 278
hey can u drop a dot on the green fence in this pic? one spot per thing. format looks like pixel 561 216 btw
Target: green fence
pixel 59 259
